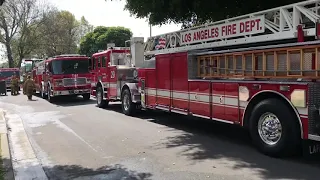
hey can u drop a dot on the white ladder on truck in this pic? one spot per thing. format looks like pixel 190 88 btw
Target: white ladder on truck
pixel 270 25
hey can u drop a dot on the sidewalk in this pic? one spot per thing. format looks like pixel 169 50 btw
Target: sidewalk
pixel 5 151
pixel 20 160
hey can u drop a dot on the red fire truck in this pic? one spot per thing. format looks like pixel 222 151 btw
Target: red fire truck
pixel 7 73
pixel 259 71
pixel 63 75
pixel 27 66
pixel 111 70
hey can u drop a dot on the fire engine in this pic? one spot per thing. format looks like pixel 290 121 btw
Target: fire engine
pixel 259 71
pixel 27 66
pixel 111 70
pixel 7 73
pixel 63 75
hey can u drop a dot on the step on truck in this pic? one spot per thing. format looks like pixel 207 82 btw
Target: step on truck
pixel 63 75
pixel 260 71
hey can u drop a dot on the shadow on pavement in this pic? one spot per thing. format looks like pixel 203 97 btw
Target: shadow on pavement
pixel 106 172
pixel 72 101
pixel 77 172
pixel 203 140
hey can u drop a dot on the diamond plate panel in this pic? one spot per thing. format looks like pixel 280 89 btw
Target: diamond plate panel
pixel 313 107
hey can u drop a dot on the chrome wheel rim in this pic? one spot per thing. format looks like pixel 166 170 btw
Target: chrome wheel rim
pixel 42 91
pixel 49 93
pixel 99 97
pixel 126 102
pixel 269 128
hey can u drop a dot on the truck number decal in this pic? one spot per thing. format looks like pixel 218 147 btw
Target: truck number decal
pixel 113 75
pixel 314 149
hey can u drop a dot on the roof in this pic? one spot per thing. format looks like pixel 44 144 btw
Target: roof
pixel 9 69
pixel 67 57
pixel 111 50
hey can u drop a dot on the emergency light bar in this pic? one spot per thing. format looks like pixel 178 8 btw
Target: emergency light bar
pixel 70 55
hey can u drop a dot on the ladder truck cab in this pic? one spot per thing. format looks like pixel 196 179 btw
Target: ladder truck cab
pixel 114 74
pixel 63 75
pixel 27 68
pixel 260 71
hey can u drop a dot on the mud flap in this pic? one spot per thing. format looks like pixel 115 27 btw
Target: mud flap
pixel 311 149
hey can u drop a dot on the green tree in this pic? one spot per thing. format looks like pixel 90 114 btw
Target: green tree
pixel 101 36
pixel 184 11
pixel 13 14
pixel 27 39
pixel 59 33
pixel 84 28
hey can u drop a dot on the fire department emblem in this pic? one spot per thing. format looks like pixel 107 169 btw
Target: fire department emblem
pixel 221 99
pixel 196 97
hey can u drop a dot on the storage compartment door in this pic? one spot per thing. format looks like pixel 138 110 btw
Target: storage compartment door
pixel 163 78
pixel 179 82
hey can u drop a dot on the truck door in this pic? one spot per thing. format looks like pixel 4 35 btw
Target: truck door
pixel 103 69
pixel 99 67
pixel 94 70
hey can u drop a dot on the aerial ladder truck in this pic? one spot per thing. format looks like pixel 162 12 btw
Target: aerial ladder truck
pixel 259 71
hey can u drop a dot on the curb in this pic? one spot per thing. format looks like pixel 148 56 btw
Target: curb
pixel 5 150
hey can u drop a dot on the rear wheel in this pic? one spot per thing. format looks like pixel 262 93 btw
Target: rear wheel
pixel 274 128
pixel 100 102
pixel 128 107
pixel 86 96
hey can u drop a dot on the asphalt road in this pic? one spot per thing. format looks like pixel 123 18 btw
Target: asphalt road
pixel 74 139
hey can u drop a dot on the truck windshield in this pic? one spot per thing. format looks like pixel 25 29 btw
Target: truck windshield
pixel 8 73
pixel 80 66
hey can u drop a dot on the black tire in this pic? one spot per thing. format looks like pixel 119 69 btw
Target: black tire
pixel 99 96
pixel 130 109
pixel 42 93
pixel 289 141
pixel 86 97
pixel 49 98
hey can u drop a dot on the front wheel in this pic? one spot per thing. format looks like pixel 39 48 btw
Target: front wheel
pixel 128 107
pixel 100 102
pixel 42 93
pixel 274 128
pixel 49 97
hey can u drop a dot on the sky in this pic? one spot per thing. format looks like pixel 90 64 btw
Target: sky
pixel 109 13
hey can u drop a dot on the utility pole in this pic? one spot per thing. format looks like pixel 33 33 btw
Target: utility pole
pixel 150 29
pixel 150 26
